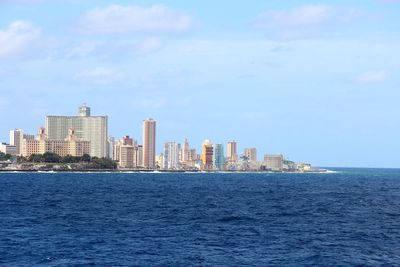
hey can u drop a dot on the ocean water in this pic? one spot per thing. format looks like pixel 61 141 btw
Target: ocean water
pixel 87 219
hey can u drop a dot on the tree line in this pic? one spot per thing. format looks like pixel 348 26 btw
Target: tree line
pixel 5 157
pixel 87 160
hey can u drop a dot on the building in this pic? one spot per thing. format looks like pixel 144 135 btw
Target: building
pixel 171 156
pixel 231 151
pixel 127 156
pixel 218 157
pixel 250 154
pixel 8 149
pixel 273 162
pixel 110 147
pixel 139 157
pixel 93 129
pixel 185 152
pixel 126 152
pixel 71 145
pixel 207 154
pixel 75 146
pixel 149 143
pixel 16 140
pixel 160 161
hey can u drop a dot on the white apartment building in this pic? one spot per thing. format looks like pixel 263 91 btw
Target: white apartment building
pixel 171 156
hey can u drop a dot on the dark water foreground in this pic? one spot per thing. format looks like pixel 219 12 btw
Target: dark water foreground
pixel 72 219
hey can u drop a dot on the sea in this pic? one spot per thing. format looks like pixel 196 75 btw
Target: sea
pixel 349 217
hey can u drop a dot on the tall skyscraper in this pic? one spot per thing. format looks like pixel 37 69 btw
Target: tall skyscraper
pixel 88 128
pixel 207 155
pixel 251 154
pixel 218 157
pixel 231 151
pixel 16 137
pixel 149 143
pixel 171 156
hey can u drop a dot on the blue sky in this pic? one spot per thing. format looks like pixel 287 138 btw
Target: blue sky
pixel 317 81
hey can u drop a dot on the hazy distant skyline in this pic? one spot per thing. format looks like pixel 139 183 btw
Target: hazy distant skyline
pixel 315 80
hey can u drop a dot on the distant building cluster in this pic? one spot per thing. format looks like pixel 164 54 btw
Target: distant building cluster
pixel 88 135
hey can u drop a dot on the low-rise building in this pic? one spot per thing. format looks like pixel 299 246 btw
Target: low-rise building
pixel 8 149
pixel 273 162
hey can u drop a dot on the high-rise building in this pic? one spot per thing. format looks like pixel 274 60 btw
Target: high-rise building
pixel 185 152
pixel 110 147
pixel 251 154
pixel 273 162
pixel 171 156
pixel 88 128
pixel 139 157
pixel 149 143
pixel 16 140
pixel 207 153
pixel 231 151
pixel 218 157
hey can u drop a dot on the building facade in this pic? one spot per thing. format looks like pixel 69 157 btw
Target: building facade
pixel 207 154
pixel 16 137
pixel 171 156
pixel 218 157
pixel 231 151
pixel 251 154
pixel 273 162
pixel 8 149
pixel 93 129
pixel 70 146
pixel 149 143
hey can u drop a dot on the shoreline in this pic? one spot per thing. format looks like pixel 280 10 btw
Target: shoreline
pixel 159 171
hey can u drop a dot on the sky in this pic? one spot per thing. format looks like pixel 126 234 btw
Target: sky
pixel 317 81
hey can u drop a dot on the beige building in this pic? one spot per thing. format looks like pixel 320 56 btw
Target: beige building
pixel 126 153
pixel 149 143
pixel 8 149
pixel 71 145
pixel 16 137
pixel 273 162
pixel 126 158
pixel 88 128
pixel 251 154
pixel 231 151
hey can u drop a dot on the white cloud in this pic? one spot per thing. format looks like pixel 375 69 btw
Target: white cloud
pixel 301 16
pixel 100 76
pixel 17 38
pixel 304 21
pixel 125 19
pixel 375 76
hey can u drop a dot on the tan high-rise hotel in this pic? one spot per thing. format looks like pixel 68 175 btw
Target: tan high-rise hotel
pixel 149 143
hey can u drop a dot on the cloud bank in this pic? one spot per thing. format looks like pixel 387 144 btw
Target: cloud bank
pixel 304 21
pixel 128 19
pixel 17 38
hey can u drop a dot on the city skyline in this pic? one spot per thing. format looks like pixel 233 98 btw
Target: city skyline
pixel 317 81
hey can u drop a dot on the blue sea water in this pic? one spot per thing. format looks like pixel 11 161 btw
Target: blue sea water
pixel 179 219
